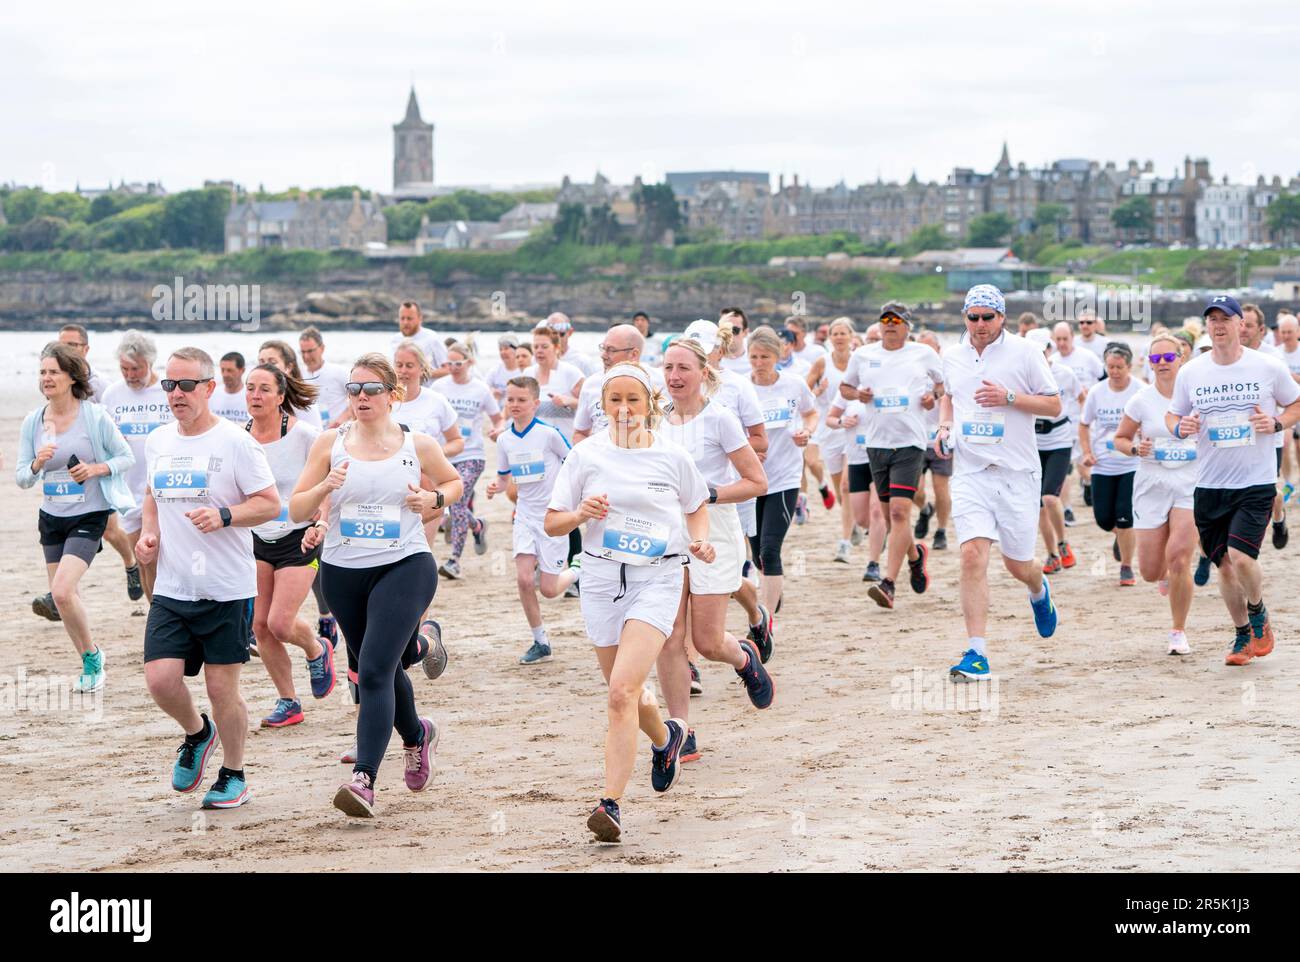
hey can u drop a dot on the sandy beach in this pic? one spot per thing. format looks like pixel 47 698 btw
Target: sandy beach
pixel 1092 751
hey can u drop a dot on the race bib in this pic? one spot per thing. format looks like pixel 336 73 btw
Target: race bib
pixel 984 427
pixel 862 442
pixel 59 488
pixel 370 525
pixel 778 418
pixel 1110 444
pixel 1173 452
pixel 466 429
pixel 632 540
pixel 527 467
pixel 1231 430
pixel 324 417
pixel 281 523
pixel 891 401
pixel 139 424
pixel 180 477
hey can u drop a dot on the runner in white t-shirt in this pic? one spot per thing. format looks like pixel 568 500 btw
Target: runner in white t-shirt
pixel 825 452
pixel 328 379
pixel 1092 335
pixel 228 399
pixel 1253 330
pixel 1163 487
pixel 209 484
pixel 410 328
pixel 1112 472
pixel 560 383
pixel 560 324
pixel 1231 399
pixel 622 344
pixel 736 356
pixel 506 367
pixel 422 408
pixel 1055 438
pixel 1288 350
pixel 995 385
pixel 1088 370
pixel 643 501
pixel 282 356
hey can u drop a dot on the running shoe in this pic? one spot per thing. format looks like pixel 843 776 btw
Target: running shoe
pixel 873 571
pixel 44 606
pixel 1052 565
pixel 92 675
pixel 828 497
pixel 882 593
pixel 134 586
pixel 327 627
pixel 321 670
pixel 604 821
pixel 357 797
pixel 536 653
pixel 1114 549
pixel 972 667
pixel 1068 559
pixel 450 569
pixel 1178 643
pixel 663 762
pixel 842 552
pixel 434 661
pixel 419 765
pixel 228 791
pixel 1242 649
pixel 192 758
pixel 287 711
pixel 759 685
pixel 801 509
pixel 697 683
pixel 1087 495
pixel 1202 575
pixel 349 757
pixel 1045 612
pixel 1280 534
pixel 1162 586
pixel 1069 517
pixel 940 540
pixel 1262 641
pixel 856 537
pixel 480 537
pixel 1126 579
pixel 1288 489
pixel 922 527
pixel 690 751
pixel 917 573
pixel 763 635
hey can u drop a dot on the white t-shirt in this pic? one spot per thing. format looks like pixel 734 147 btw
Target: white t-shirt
pixel 1292 360
pixel 97 386
pixel 1064 435
pixel 435 352
pixel 220 468
pixel 1087 367
pixel 855 451
pixel 1231 455
pixel 898 380
pixel 738 365
pixel 428 412
pixel 736 393
pixel 998 435
pixel 650 490
pixel 710 437
pixel 231 405
pixel 1096 346
pixel 1102 412
pixel 287 456
pixel 471 401
pixel 1171 457
pixel 498 376
pixel 782 403
pixel 532 459
pixel 810 353
pixel 563 380
pixel 137 415
pixel 332 401
pixel 585 363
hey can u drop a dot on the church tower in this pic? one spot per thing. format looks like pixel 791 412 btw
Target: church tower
pixel 412 148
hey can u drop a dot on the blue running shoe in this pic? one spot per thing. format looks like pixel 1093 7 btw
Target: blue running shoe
pixel 327 627
pixel 321 670
pixel 536 654
pixel 758 683
pixel 228 791
pixel 192 758
pixel 663 765
pixel 972 667
pixel 1202 576
pixel 1045 612
pixel 690 751
pixel 604 821
pixel 287 711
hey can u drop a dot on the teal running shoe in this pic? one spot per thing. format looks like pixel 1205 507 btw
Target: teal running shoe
pixel 228 791
pixel 972 667
pixel 1045 612
pixel 192 758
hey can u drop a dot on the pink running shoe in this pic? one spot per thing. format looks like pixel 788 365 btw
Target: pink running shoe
pixel 419 760
pixel 357 797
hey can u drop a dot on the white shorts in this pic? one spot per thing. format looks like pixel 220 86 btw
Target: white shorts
pixel 723 576
pixel 552 553
pixel 832 444
pixel 748 512
pixel 654 601
pixel 1157 491
pixel 998 504
pixel 133 520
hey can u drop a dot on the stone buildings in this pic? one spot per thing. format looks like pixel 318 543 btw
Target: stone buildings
pixel 306 223
pixel 412 154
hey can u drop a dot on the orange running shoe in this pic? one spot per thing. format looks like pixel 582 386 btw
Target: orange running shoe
pixel 1052 565
pixel 1067 555
pixel 1242 650
pixel 1263 645
pixel 1126 579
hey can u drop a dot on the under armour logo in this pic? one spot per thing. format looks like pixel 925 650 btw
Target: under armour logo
pixel 1221 298
pixel 407 463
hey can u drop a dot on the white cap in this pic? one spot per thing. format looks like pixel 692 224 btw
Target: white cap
pixel 1040 337
pixel 1204 344
pixel 706 332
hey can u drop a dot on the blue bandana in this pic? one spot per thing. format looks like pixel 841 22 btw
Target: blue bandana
pixel 985 295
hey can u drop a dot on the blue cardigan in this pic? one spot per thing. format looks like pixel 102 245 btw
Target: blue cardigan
pixel 105 439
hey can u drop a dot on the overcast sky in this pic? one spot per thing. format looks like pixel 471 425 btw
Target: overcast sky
pixel 290 94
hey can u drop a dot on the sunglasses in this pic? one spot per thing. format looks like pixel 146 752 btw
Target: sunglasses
pixel 613 350
pixel 892 319
pixel 980 317
pixel 186 384
pixel 1081 323
pixel 1167 358
pixel 457 365
pixel 371 388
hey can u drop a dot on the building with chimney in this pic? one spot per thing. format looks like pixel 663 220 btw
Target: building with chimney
pixel 307 223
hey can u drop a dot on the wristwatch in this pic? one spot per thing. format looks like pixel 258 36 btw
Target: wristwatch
pixel 438 503
pixel 225 517
pixel 1011 398
pixel 1277 426
pixel 713 495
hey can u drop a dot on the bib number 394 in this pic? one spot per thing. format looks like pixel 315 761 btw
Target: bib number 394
pixel 370 525
pixel 634 541
pixel 180 478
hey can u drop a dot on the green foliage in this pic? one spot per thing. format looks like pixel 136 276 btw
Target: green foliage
pixel 135 229
pixel 931 237
pixel 341 193
pixel 1284 216
pixel 196 218
pixel 657 212
pixel 989 230
pixel 403 221
pixel 1136 216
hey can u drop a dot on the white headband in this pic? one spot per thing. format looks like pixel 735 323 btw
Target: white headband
pixel 628 370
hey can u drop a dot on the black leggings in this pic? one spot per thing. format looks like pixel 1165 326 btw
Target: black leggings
pixel 772 513
pixel 1112 500
pixel 379 610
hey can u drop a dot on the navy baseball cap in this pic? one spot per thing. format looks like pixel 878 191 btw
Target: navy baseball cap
pixel 1222 302
pixel 786 335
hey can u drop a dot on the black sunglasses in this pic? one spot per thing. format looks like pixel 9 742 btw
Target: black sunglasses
pixel 1167 358
pixel 370 387
pixel 186 384
pixel 980 317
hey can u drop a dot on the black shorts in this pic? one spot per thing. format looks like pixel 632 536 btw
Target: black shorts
pixel 1279 461
pixel 896 471
pixel 1232 519
pixel 939 467
pixel 1055 465
pixel 197 632
pixel 859 478
pixel 80 535
pixel 286 552
pixel 1112 500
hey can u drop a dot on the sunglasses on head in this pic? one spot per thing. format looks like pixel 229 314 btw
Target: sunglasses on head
pixel 1168 358
pixel 371 388
pixel 186 384
pixel 980 317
